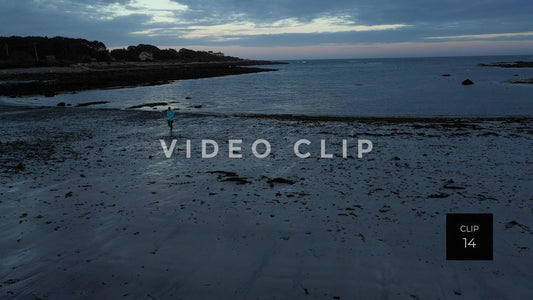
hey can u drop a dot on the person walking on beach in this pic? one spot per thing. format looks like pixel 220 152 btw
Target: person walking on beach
pixel 170 118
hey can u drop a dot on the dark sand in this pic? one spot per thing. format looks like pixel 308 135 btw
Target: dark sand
pixel 91 208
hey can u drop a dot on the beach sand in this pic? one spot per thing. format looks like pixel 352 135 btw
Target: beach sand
pixel 91 208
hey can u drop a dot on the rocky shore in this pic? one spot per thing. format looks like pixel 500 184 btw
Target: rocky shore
pixel 54 80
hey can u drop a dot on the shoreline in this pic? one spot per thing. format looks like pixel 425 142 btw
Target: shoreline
pixel 49 81
pixel 450 120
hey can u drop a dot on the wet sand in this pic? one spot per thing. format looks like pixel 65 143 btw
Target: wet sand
pixel 91 208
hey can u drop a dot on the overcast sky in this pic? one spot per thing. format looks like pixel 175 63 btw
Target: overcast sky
pixel 277 29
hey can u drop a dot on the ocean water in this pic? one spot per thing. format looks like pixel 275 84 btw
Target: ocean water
pixel 343 87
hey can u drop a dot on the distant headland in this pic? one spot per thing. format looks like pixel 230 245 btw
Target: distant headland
pixel 47 66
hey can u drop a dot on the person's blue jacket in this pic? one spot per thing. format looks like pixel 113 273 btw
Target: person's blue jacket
pixel 170 115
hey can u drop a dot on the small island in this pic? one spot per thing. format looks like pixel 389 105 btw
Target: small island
pixel 516 64
pixel 47 66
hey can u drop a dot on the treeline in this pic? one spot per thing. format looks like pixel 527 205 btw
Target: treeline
pixel 18 51
pixel 149 52
pixel 35 51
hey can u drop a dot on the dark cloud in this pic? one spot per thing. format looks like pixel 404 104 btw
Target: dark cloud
pixel 24 21
pixel 369 11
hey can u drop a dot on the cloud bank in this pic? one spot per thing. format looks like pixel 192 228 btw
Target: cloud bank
pixel 298 24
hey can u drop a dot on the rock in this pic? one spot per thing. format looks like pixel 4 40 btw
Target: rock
pixel 450 185
pixel 226 173
pixel 187 98
pixel 280 180
pixel 91 103
pixel 11 281
pixel 384 209
pixel 514 223
pixel 439 195
pixel 511 224
pixel 458 292
pixel 467 82
pixel 238 180
pixel 62 104
pixel 154 104
pixel 524 81
pixel 20 166
pixel 229 176
pixel 446 75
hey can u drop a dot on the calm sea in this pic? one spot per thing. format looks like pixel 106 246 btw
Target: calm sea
pixel 344 87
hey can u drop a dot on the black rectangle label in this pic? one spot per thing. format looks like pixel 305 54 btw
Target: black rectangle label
pixel 469 237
